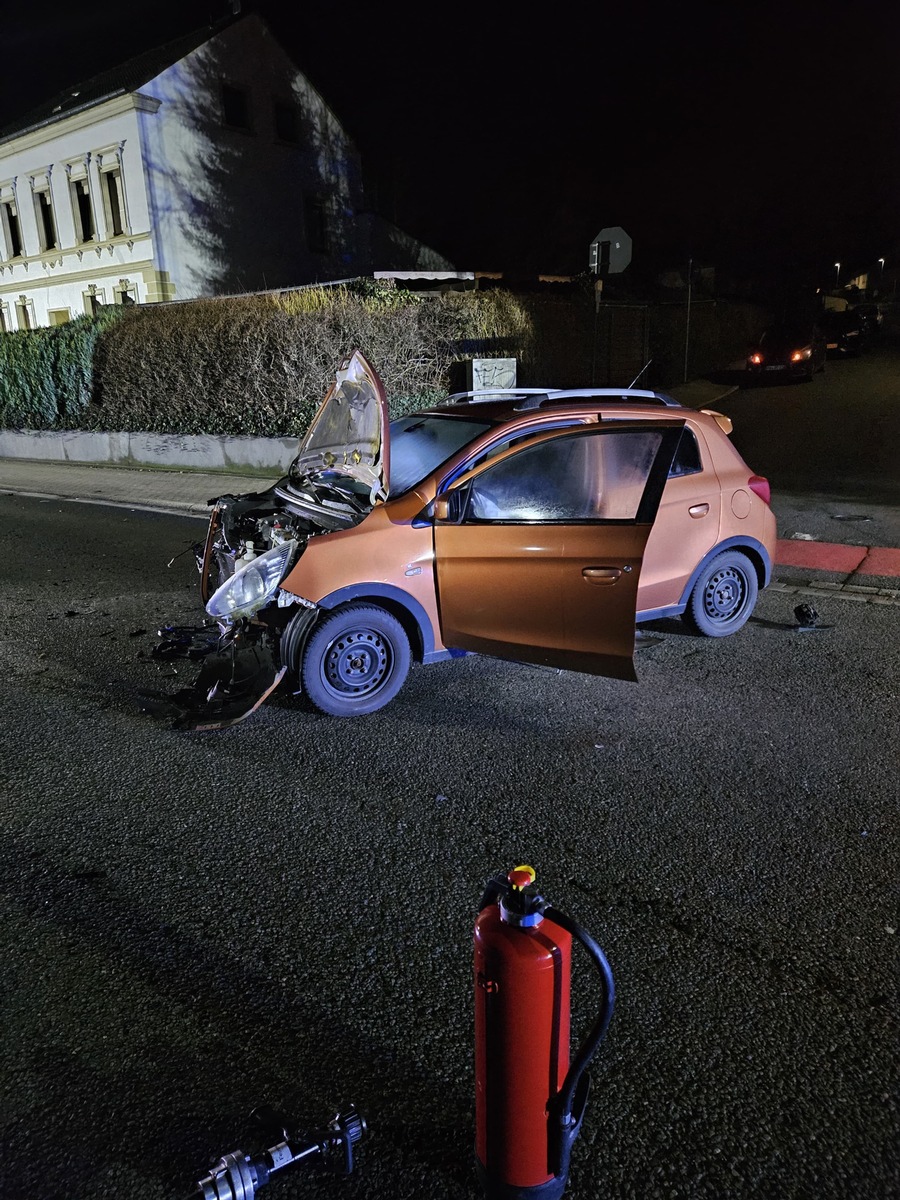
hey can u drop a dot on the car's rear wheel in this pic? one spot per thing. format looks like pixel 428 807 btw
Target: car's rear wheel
pixel 355 661
pixel 723 597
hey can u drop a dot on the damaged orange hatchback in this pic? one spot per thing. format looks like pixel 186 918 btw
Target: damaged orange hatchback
pixel 536 525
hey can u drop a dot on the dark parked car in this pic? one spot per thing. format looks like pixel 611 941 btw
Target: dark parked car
pixel 845 334
pixel 787 350
pixel 872 317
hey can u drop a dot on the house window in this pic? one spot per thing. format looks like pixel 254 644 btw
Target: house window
pixel 12 231
pixel 82 210
pixel 58 316
pixel 235 107
pixel 43 205
pixel 315 220
pixel 287 127
pixel 4 319
pixel 113 202
pixel 93 300
pixel 24 313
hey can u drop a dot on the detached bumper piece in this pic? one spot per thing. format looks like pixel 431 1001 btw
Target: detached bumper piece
pixel 237 674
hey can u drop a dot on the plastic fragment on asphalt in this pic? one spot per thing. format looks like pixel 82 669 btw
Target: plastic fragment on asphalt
pixel 803 537
pixel 806 615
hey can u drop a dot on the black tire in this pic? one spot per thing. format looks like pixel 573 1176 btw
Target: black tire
pixel 355 661
pixel 723 597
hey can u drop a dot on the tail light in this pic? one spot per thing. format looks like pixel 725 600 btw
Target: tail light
pixel 756 359
pixel 760 485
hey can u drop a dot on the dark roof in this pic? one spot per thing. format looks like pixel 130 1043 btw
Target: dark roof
pixel 119 80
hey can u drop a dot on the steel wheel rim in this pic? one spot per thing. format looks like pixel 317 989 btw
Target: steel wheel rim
pixel 724 595
pixel 357 663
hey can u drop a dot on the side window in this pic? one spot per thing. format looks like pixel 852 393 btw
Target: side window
pixel 687 456
pixel 499 447
pixel 598 476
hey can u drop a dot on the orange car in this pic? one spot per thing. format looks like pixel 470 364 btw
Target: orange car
pixel 532 524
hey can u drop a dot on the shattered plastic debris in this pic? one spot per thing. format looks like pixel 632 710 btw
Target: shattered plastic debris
pixel 808 619
pixel 803 537
pixel 806 615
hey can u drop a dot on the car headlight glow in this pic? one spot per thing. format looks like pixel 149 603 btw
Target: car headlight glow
pixel 252 586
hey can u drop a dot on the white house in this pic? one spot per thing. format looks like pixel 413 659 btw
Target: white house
pixel 209 166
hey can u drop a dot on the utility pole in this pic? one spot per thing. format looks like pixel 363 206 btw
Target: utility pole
pixel 687 326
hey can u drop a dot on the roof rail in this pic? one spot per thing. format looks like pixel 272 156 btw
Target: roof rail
pixel 532 398
pixel 494 394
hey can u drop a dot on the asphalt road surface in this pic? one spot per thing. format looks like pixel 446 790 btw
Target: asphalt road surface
pixel 194 924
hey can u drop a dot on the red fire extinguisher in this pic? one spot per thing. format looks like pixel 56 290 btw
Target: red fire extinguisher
pixel 529 1097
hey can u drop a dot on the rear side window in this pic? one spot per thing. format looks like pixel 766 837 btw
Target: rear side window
pixel 687 456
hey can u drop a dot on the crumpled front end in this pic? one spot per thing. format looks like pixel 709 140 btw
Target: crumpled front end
pixel 251 544
pixel 255 540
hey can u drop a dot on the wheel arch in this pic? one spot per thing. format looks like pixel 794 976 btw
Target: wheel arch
pixel 408 611
pixel 753 549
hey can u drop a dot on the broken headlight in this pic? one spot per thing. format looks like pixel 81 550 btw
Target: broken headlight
pixel 250 588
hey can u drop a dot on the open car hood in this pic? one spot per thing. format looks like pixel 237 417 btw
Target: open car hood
pixel 345 455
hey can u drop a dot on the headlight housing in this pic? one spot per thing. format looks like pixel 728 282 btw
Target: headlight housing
pixel 253 586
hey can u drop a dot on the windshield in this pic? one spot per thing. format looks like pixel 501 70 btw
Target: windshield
pixel 420 444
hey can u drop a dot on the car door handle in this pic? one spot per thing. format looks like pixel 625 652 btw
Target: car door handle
pixel 601 574
pixel 698 510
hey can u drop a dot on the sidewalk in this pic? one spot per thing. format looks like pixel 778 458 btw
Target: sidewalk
pixel 149 488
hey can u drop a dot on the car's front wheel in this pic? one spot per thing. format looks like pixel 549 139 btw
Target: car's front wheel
pixel 723 597
pixel 356 661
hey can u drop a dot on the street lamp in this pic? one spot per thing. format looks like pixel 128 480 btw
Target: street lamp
pixel 837 273
pixel 881 271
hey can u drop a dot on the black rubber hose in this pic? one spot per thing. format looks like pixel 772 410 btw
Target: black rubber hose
pixel 493 889
pixel 597 1032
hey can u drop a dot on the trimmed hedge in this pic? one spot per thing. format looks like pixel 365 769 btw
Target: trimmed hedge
pixel 47 376
pixel 254 365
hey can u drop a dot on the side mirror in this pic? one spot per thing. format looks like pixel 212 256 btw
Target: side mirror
pixel 450 506
pixel 443 508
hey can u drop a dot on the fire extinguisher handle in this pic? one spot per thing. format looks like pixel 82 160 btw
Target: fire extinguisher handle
pixel 565 1100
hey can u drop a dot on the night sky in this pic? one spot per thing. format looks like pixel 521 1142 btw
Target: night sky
pixel 508 135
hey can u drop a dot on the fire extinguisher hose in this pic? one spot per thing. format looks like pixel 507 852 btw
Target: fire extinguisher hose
pixel 569 1103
